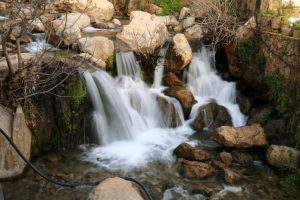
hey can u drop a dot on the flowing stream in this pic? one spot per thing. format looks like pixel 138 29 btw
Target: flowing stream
pixel 130 120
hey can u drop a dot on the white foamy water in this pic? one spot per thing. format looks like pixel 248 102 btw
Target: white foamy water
pixel 3 18
pixel 206 85
pixel 131 122
pixel 38 44
pixel 90 29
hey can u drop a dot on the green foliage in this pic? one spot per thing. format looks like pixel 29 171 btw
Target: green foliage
pixel 169 6
pixel 261 58
pixel 285 21
pixel 77 91
pixel 279 91
pixel 246 51
pixel 269 13
pixel 264 118
pixel 297 136
pixel 296 27
pixel 290 184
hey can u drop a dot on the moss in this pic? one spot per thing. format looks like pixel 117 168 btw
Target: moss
pixel 169 6
pixel 279 92
pixel 246 51
pixel 264 118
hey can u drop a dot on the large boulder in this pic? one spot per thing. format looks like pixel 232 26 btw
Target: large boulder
pixel 241 137
pixel 67 29
pixel 283 156
pixel 145 33
pixel 184 96
pixel 115 189
pixel 179 55
pixel 11 164
pixel 193 169
pixel 211 116
pixel 99 47
pixel 171 79
pixel 98 9
pixel 188 152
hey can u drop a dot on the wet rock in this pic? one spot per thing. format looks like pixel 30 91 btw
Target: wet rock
pixel 184 12
pixel 211 116
pixel 171 80
pixel 99 47
pixel 54 158
pixel 115 189
pixel 169 20
pixel 98 9
pixel 241 137
pixel 179 55
pixel 170 114
pixel 11 164
pixel 193 169
pixel 184 96
pixel 179 28
pixel 17 33
pixel 226 158
pixel 67 29
pixel 231 176
pixel 242 157
pixel 88 60
pixel 188 22
pixel 194 32
pixel 283 156
pixel 117 22
pixel 208 189
pixel 145 33
pixel 4 70
pixel 188 152
pixel 101 24
pixel 37 26
pixel 4 5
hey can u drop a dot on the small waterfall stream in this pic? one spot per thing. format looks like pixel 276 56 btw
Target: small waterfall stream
pixel 136 124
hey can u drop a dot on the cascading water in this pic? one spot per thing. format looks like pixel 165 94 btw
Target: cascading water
pixel 136 124
pixel 206 85
pixel 38 44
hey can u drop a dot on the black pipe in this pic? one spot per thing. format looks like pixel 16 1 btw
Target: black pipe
pixel 64 184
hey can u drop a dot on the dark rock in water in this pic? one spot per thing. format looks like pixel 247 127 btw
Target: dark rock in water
pixel 226 158
pixel 170 115
pixel 188 152
pixel 211 116
pixel 282 156
pixel 171 80
pixel 231 176
pixel 241 137
pixel 242 157
pixel 184 96
pixel 193 169
pixel 209 189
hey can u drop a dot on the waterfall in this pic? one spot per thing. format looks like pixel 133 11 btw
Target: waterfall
pixel 205 84
pixel 38 44
pixel 159 70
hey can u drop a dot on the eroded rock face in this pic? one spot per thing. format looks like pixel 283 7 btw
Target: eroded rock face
pixel 184 96
pixel 145 33
pixel 241 137
pixel 211 116
pixel 98 9
pixel 180 55
pixel 115 189
pixel 171 79
pixel 193 169
pixel 67 29
pixel 283 156
pixel 11 164
pixel 188 152
pixel 99 47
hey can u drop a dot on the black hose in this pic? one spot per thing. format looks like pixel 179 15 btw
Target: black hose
pixel 63 184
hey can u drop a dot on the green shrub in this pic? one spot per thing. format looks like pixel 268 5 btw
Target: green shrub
pixel 264 118
pixel 290 4
pixel 279 91
pixel 296 27
pixel 169 6
pixel 246 51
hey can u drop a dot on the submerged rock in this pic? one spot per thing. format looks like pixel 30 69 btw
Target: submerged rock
pixel 188 152
pixel 231 176
pixel 11 164
pixel 145 33
pixel 283 156
pixel 184 96
pixel 99 47
pixel 180 55
pixel 242 157
pixel 115 189
pixel 211 116
pixel 193 169
pixel 241 137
